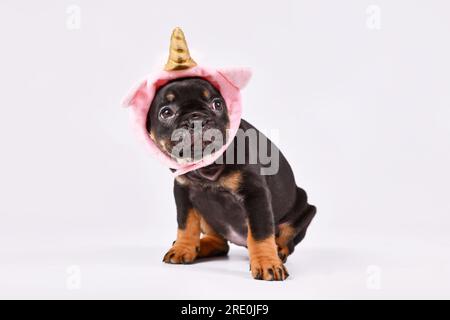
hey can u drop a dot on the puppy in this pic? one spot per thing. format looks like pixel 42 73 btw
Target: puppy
pixel 225 202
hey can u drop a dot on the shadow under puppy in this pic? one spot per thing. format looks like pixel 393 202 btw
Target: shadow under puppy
pixel 233 201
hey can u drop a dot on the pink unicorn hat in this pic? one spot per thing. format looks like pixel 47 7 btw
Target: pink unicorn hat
pixel 228 81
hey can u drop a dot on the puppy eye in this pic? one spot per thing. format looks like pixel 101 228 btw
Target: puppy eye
pixel 217 105
pixel 166 113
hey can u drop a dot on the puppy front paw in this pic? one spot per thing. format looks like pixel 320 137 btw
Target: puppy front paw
pixel 269 269
pixel 181 254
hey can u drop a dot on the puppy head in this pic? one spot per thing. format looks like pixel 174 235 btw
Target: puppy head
pixel 187 114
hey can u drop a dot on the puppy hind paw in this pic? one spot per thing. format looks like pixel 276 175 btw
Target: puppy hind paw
pixel 283 253
pixel 213 247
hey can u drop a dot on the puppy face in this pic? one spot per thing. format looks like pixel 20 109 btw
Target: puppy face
pixel 187 108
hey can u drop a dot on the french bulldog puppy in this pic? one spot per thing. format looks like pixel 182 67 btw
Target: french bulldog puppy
pixel 227 200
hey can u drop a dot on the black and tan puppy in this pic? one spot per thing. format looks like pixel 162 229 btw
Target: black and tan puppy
pixel 232 202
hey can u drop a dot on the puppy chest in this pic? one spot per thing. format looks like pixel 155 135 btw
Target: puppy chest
pixel 224 213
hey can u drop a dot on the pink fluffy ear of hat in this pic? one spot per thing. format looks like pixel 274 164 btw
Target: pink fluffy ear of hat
pixel 137 95
pixel 238 77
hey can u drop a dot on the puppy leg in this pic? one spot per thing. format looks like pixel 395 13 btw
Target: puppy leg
pixel 211 244
pixel 187 245
pixel 264 261
pixel 293 228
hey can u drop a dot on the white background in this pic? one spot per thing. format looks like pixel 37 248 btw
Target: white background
pixel 363 116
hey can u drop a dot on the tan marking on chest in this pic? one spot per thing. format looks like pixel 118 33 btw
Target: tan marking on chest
pixel 232 181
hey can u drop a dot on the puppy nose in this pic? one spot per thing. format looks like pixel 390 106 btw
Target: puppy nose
pixel 196 117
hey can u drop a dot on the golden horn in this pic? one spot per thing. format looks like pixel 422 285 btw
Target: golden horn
pixel 179 57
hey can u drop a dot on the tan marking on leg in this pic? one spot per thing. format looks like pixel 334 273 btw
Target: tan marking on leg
pixel 212 244
pixel 187 245
pixel 231 181
pixel 264 261
pixel 206 228
pixel 287 233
